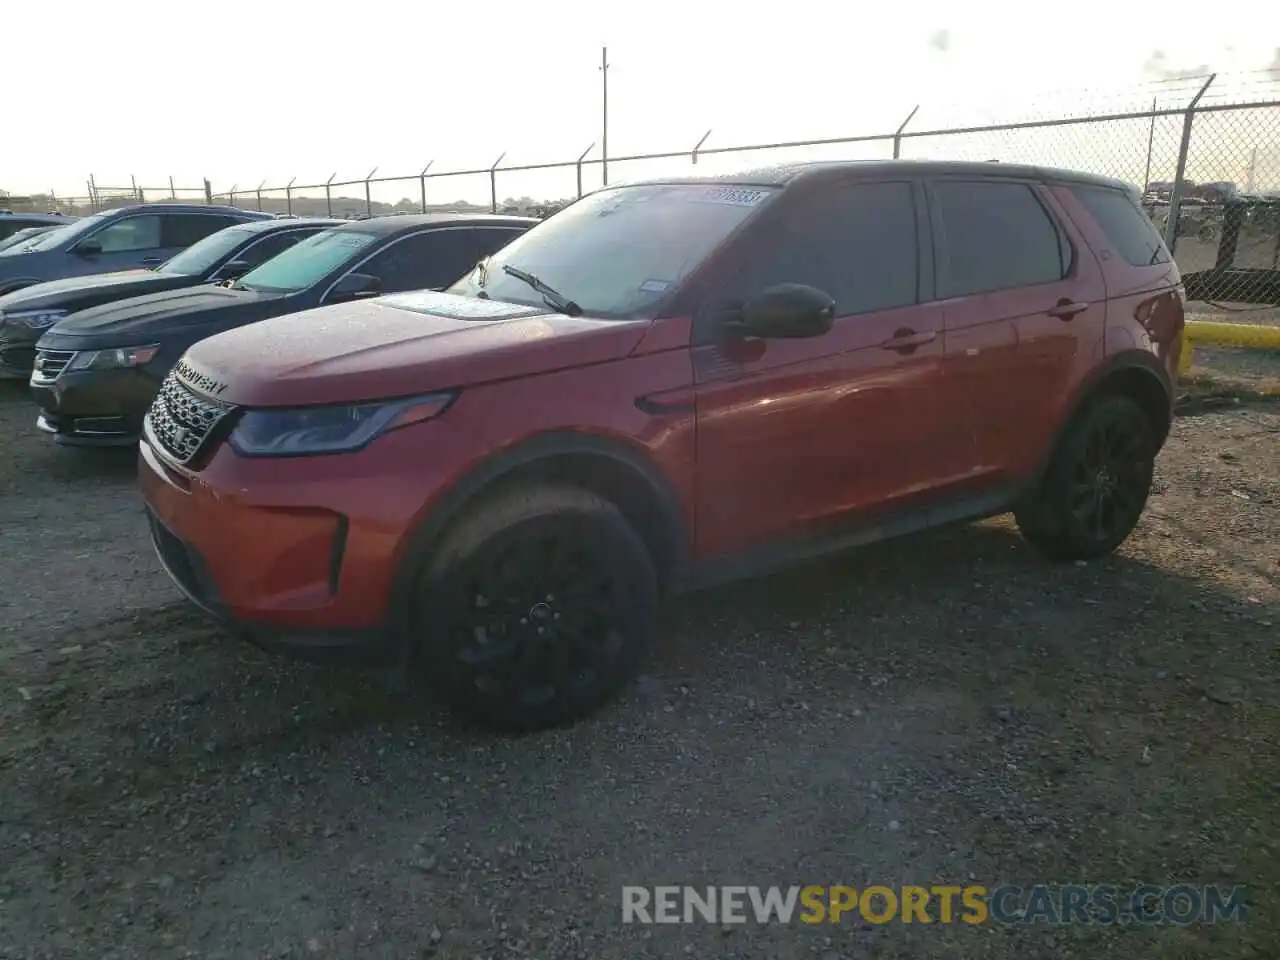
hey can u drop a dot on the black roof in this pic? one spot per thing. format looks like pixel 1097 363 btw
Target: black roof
pixel 281 223
pixel 405 221
pixel 781 174
pixel 52 219
pixel 191 208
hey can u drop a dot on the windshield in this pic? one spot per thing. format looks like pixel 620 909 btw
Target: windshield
pixel 307 262
pixel 618 252
pixel 205 254
pixel 22 236
pixel 58 236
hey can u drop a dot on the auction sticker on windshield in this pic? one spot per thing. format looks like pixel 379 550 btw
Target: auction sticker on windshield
pixel 733 196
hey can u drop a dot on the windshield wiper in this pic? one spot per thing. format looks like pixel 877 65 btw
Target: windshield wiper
pixel 550 295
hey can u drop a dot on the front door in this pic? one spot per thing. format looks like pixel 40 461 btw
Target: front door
pixel 796 437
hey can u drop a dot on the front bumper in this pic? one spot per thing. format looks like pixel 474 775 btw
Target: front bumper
pixel 17 353
pixel 95 408
pixel 310 581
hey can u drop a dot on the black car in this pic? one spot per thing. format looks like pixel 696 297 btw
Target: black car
pixel 11 223
pixel 23 235
pixel 97 371
pixel 226 255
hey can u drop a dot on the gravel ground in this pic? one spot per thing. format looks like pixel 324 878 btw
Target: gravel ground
pixel 943 709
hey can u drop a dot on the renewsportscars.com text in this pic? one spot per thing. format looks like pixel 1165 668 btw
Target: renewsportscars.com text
pixel 970 904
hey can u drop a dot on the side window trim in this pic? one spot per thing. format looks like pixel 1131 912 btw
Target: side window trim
pixel 942 249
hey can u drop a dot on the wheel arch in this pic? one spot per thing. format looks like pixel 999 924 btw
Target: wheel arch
pixel 607 466
pixel 1136 374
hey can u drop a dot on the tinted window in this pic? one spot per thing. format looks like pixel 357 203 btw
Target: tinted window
pixel 1126 226
pixel 268 247
pixel 432 260
pixel 130 234
pixel 998 237
pixel 184 229
pixel 204 255
pixel 620 252
pixel 857 243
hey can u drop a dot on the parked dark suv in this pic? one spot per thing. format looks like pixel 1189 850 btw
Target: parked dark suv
pixel 143 235
pixel 11 222
pixel 97 371
pixel 226 255
pixel 664 385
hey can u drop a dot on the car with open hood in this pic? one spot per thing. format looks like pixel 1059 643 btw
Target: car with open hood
pixel 122 238
pixel 661 386
pixel 96 371
pixel 220 257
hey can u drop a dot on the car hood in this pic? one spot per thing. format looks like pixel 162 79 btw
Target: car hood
pixel 125 321
pixel 75 293
pixel 400 345
pixel 14 264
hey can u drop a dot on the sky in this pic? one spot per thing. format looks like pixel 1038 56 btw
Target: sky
pixel 245 92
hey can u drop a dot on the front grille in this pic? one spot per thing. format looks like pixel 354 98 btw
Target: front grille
pixel 50 363
pixel 182 420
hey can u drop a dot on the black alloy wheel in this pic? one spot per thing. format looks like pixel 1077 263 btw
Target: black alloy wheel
pixel 540 608
pixel 1097 483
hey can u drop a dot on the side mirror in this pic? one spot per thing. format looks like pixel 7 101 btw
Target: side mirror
pixel 88 248
pixel 233 270
pixel 355 286
pixel 786 311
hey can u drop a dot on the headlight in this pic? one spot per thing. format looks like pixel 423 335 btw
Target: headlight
pixel 329 429
pixel 117 359
pixel 35 319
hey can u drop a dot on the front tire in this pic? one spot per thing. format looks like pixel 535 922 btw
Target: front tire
pixel 537 608
pixel 1097 484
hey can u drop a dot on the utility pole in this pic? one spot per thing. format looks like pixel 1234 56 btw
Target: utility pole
pixel 604 131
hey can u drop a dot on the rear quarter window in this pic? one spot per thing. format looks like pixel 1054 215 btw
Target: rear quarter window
pixel 1130 230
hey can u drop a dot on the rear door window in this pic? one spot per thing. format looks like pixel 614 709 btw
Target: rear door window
pixel 998 237
pixel 1130 230
pixel 184 229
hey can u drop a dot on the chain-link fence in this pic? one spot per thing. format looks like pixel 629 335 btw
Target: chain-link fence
pixel 1205 158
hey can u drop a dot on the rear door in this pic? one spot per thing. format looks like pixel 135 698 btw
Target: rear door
pixel 1023 305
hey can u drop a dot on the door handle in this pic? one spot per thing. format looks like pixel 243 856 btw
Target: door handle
pixel 1067 309
pixel 905 340
pixel 151 261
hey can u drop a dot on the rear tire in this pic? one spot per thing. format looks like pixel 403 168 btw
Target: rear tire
pixel 1097 484
pixel 537 608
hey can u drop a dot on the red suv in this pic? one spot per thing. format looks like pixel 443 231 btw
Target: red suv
pixel 663 385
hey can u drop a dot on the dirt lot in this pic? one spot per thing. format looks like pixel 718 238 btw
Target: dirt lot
pixel 945 709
